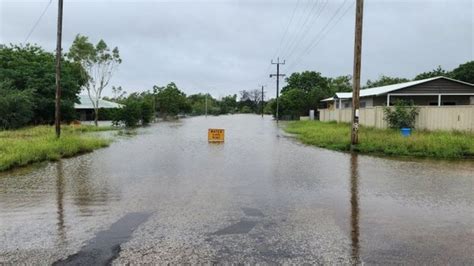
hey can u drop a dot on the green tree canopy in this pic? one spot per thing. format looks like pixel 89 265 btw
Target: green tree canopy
pixel 464 72
pixel 433 73
pixel 340 84
pixel 197 103
pixel 228 104
pixel 30 68
pixel 16 106
pixel 171 101
pixel 305 90
pixel 384 81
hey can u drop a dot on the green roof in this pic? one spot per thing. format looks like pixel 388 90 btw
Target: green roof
pixel 85 103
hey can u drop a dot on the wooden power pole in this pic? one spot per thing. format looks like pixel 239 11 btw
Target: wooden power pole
pixel 57 113
pixel 356 74
pixel 277 75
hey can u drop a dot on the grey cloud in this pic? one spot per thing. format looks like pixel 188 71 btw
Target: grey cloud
pixel 225 46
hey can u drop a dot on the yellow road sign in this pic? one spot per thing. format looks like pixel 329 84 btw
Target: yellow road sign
pixel 215 135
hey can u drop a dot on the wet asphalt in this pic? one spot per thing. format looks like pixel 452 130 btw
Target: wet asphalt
pixel 166 195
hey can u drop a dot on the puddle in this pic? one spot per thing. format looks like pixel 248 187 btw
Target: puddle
pixel 105 246
pixel 242 227
pixel 252 212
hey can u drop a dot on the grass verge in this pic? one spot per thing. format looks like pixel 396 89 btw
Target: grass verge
pixel 336 136
pixel 34 144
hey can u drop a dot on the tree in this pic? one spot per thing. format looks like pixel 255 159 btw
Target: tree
pixel 118 92
pixel 137 109
pixel 464 72
pixel 16 107
pixel 228 104
pixel 245 102
pixel 30 68
pixel 431 74
pixel 294 103
pixel 250 99
pixel 384 81
pixel 304 91
pixel 270 107
pixel 340 84
pixel 197 102
pixel 99 63
pixel 171 101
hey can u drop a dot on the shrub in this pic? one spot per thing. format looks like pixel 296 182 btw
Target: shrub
pixel 246 110
pixel 403 114
pixel 136 110
pixel 129 114
pixel 16 107
pixel 147 112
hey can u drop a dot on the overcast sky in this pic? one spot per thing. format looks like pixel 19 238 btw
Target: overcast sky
pixel 222 47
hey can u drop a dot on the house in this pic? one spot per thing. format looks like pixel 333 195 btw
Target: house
pixel 443 103
pixel 85 108
pixel 437 91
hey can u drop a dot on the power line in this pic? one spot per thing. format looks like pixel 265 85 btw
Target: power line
pixel 38 21
pixel 283 36
pixel 302 29
pixel 315 18
pixel 317 37
pixel 322 33
pixel 286 29
pixel 298 24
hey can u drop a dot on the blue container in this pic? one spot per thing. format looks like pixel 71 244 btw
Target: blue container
pixel 406 131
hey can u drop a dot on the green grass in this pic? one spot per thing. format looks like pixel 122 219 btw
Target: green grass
pixel 336 136
pixel 35 144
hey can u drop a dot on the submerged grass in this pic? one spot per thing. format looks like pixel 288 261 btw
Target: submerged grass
pixel 35 144
pixel 336 136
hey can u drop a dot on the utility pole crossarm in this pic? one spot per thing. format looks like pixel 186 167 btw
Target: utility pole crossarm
pixel 277 75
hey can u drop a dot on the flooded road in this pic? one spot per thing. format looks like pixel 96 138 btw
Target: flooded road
pixel 168 196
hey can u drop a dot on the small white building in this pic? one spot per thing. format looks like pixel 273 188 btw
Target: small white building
pixel 85 108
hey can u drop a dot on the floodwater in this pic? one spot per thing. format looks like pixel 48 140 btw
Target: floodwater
pixel 168 196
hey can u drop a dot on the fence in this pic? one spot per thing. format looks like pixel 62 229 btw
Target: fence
pixel 430 117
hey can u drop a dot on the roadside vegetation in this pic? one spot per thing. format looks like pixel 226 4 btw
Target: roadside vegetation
pixel 35 144
pixel 335 136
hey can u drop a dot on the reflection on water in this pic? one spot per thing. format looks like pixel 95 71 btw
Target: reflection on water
pixel 50 205
pixel 60 202
pixel 354 184
pixel 416 212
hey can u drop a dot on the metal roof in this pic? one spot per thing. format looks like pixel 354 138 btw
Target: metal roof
pixel 85 103
pixel 328 99
pixel 389 88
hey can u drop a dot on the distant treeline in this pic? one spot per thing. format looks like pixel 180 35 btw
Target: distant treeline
pixel 27 91
pixel 169 101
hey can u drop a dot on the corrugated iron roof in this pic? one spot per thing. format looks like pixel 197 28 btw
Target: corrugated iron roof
pixel 389 88
pixel 85 103
pixel 328 99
